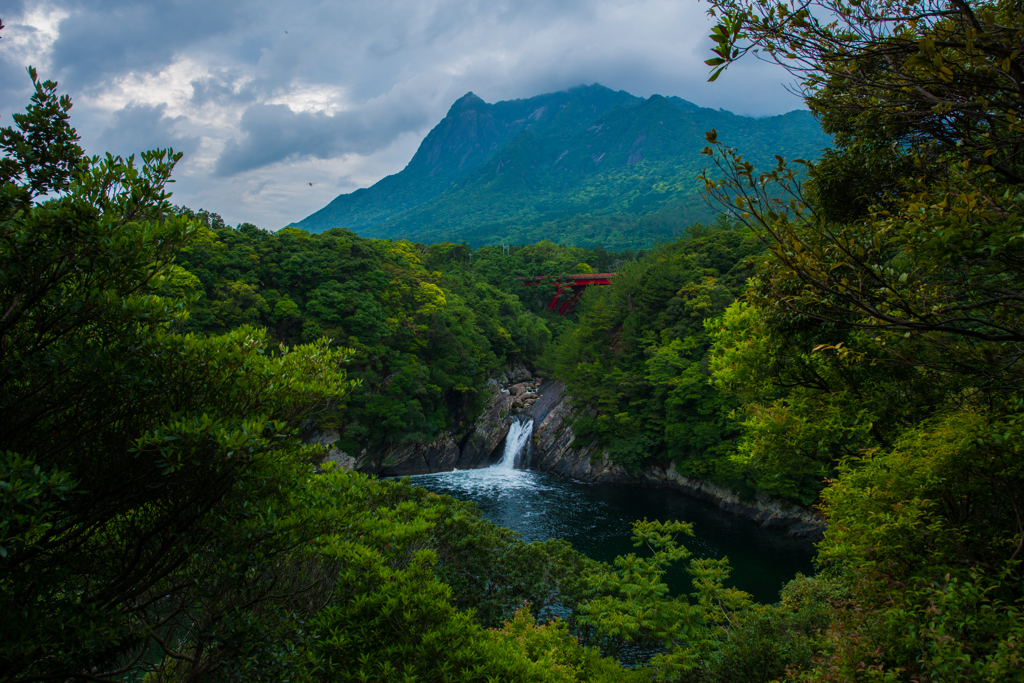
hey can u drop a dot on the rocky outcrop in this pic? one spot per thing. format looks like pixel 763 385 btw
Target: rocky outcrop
pixel 765 510
pixel 478 447
pixel 524 395
pixel 440 455
pixel 463 445
pixel 554 451
pixel 516 372
pixel 458 447
pixel 327 438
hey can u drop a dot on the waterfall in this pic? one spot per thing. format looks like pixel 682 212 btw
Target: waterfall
pixel 518 436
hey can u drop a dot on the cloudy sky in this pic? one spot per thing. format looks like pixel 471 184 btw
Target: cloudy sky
pixel 266 97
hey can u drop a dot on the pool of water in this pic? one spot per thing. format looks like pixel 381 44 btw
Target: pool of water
pixel 597 518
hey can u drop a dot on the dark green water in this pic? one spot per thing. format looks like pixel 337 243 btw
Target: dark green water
pixel 596 519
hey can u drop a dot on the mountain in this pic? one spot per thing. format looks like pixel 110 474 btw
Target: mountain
pixel 585 166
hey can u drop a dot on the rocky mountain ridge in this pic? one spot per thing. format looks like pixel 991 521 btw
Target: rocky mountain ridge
pixel 470 133
pixel 586 166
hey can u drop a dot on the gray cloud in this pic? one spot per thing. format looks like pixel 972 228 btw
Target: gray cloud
pixel 139 127
pixel 273 132
pixel 104 38
pixel 15 39
pixel 221 87
pixel 14 81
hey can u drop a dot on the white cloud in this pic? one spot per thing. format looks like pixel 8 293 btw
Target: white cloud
pixel 28 38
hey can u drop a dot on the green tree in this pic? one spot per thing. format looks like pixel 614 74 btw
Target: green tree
pixel 426 332
pixel 889 311
pixel 410 562
pixel 635 362
pixel 132 455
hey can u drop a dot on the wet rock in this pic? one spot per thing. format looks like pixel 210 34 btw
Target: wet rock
pixel 461 446
pixel 488 432
pixel 516 372
pixel 439 455
pixel 549 395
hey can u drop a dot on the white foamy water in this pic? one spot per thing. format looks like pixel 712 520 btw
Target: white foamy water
pixel 500 479
pixel 518 438
pixel 597 518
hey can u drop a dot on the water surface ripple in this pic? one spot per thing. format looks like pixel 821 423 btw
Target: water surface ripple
pixel 596 519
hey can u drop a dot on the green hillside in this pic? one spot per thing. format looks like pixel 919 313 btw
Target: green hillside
pixel 588 167
pixel 472 132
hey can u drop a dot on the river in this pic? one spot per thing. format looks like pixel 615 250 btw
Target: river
pixel 596 519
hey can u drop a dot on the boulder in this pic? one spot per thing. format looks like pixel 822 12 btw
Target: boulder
pixel 327 438
pixel 516 372
pixel 342 460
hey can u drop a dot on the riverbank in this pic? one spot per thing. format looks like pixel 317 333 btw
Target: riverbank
pixel 552 452
pixel 517 392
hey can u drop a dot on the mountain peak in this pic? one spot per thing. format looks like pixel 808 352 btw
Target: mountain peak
pixel 587 155
pixel 468 102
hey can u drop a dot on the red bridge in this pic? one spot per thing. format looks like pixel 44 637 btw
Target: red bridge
pixel 571 286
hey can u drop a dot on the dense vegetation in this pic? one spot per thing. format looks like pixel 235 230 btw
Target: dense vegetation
pixel 883 334
pixel 425 326
pixel 595 167
pixel 636 362
pixel 160 516
pixel 146 473
pixel 872 362
pixel 162 522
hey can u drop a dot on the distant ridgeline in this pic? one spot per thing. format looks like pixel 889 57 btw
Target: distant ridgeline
pixel 586 166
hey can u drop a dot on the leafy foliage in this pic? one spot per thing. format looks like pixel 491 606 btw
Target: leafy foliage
pixel 393 618
pixel 160 516
pixel 884 329
pixel 133 456
pixel 427 325
pixel 714 634
pixel 636 362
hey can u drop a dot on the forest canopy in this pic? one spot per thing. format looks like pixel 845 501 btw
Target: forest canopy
pixel 426 326
pixel 883 333
pixel 163 522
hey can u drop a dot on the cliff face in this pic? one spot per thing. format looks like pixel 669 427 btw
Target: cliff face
pixel 552 452
pixel 461 446
pixel 517 391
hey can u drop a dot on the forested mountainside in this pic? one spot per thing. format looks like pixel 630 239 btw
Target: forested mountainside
pixel 472 132
pixel 636 360
pixel 587 167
